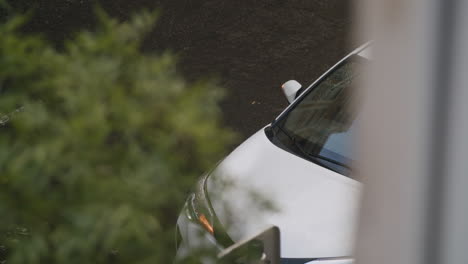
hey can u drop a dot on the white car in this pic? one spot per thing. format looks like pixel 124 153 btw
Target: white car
pixel 301 163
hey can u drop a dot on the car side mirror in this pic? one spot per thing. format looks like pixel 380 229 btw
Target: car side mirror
pixel 291 89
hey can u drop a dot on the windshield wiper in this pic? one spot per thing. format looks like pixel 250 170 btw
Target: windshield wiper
pixel 314 156
pixel 310 156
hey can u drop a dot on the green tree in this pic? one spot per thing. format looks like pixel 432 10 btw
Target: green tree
pixel 99 143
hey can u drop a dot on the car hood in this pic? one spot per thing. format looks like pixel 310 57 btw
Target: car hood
pixel 314 207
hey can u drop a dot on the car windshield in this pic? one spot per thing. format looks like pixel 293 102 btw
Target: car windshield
pixel 320 127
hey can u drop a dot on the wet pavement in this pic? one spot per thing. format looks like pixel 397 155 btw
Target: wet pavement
pixel 251 46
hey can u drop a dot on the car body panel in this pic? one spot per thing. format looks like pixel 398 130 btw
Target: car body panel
pixel 316 207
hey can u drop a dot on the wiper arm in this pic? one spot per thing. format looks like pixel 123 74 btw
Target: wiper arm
pixel 327 159
pixel 315 157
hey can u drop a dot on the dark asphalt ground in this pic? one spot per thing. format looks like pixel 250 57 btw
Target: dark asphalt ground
pixel 254 46
pixel 251 46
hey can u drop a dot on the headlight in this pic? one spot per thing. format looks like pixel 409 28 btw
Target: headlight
pixel 198 207
pixel 199 210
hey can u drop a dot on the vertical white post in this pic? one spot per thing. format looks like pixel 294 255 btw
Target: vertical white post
pixel 454 221
pixel 414 140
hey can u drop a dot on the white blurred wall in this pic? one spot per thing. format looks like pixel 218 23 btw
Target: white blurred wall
pixel 414 138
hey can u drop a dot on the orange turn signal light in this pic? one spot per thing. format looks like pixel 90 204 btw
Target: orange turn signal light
pixel 205 223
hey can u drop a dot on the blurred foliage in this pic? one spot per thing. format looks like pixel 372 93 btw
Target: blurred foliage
pixel 100 145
